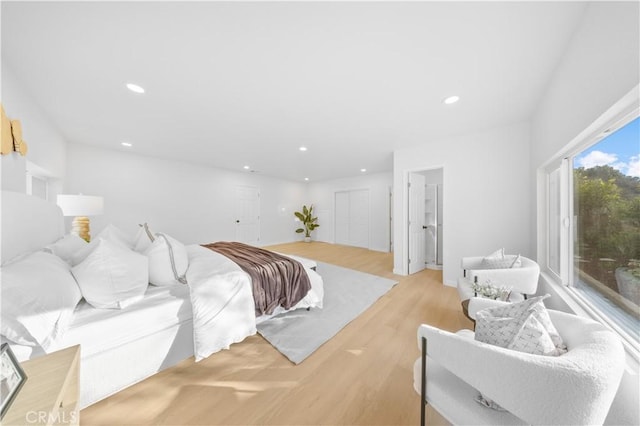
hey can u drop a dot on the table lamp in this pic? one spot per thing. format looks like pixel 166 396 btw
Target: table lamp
pixel 80 206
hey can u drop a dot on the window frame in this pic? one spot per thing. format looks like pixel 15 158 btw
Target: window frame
pixel 621 114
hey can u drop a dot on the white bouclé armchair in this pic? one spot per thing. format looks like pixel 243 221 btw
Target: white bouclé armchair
pixel 575 388
pixel 522 280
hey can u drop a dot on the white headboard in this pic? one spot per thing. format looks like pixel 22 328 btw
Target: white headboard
pixel 28 224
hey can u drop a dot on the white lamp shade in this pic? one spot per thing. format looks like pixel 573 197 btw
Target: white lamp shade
pixel 80 205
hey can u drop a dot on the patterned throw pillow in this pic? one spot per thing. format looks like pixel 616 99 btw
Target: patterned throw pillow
pixel 499 260
pixel 524 327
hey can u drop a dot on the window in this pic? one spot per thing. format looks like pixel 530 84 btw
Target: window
pixel 606 224
pixel 592 239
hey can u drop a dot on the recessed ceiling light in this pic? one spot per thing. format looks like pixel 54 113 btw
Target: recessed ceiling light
pixel 127 144
pixel 135 88
pixel 303 148
pixel 451 100
pixel 307 179
pixel 363 170
pixel 246 167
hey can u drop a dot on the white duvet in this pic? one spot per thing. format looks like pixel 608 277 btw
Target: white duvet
pixel 222 301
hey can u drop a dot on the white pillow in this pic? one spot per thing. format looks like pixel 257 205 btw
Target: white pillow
pixel 168 261
pixel 524 327
pixel 143 238
pixel 112 276
pixel 39 296
pixel 66 247
pixel 499 260
pixel 113 233
pixel 498 253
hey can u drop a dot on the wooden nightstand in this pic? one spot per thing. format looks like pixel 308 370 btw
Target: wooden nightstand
pixel 51 393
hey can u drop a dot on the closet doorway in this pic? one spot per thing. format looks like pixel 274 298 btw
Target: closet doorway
pixel 425 219
pixel 352 217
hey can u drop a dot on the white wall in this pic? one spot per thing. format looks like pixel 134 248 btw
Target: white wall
pixel 195 204
pixel 322 195
pixel 601 65
pixel 487 196
pixel 12 170
pixel 46 144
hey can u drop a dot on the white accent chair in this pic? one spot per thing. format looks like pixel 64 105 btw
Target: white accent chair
pixel 523 280
pixel 576 388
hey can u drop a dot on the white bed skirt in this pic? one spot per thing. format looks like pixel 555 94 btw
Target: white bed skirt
pixel 108 372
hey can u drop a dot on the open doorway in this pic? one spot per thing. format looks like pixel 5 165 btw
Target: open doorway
pixel 425 219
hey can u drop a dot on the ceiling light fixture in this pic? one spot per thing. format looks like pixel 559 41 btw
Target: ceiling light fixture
pixel 307 179
pixel 303 148
pixel 363 170
pixel 127 144
pixel 246 167
pixel 135 88
pixel 451 100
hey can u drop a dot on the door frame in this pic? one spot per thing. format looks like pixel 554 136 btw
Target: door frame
pixel 416 264
pixel 404 253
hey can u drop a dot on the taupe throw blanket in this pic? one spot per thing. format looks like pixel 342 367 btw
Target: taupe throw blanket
pixel 277 280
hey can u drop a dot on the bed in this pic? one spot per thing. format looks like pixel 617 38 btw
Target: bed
pixel 163 327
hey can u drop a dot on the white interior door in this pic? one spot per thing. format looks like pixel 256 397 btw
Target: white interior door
pixel 247 214
pixel 416 223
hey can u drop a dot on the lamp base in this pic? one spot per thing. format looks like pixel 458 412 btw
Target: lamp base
pixel 80 227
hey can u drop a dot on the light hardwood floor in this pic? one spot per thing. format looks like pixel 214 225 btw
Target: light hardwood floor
pixel 363 376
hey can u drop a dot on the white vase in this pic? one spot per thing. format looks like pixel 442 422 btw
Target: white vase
pixel 307 239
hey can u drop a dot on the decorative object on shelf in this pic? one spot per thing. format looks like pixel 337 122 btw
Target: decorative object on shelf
pixel 7 138
pixel 19 145
pixel 11 136
pixel 491 291
pixel 309 222
pixel 12 377
pixel 81 206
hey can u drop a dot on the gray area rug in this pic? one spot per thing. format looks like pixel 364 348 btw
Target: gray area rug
pixel 347 294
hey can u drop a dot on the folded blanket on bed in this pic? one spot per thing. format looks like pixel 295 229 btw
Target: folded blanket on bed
pixel 277 280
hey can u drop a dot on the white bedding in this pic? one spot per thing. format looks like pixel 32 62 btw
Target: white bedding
pixel 218 298
pixel 161 307
pixel 124 346
pixel 215 281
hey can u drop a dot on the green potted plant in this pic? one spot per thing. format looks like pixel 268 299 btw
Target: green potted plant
pixel 308 221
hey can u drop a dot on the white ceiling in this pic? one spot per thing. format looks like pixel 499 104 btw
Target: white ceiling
pixel 234 84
